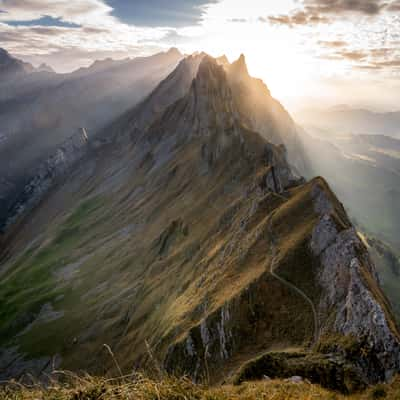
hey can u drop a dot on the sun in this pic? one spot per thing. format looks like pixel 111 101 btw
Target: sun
pixel 271 55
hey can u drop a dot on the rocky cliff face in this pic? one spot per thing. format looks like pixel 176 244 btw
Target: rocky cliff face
pixel 260 112
pixel 40 110
pixel 48 173
pixel 192 238
pixel 352 303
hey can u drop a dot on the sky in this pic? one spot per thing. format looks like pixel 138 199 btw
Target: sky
pixel 309 52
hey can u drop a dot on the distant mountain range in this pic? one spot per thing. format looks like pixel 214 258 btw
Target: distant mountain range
pixel 347 120
pixel 10 66
pixel 184 237
pixel 40 109
pixel 365 171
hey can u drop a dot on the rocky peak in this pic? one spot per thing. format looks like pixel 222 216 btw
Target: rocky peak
pixel 210 78
pixel 238 69
pixel 174 87
pixel 206 111
pixel 223 60
pixel 174 52
pixel 189 65
pixel 210 99
pixel 4 55
pixel 44 68
pixel 208 116
pixel 11 65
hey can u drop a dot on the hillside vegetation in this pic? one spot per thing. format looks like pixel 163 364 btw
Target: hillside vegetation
pixel 140 388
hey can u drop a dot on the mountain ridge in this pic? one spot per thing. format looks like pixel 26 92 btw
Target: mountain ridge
pixel 39 111
pixel 168 234
pixel 11 66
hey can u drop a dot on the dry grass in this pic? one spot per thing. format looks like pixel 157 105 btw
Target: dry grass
pixel 137 387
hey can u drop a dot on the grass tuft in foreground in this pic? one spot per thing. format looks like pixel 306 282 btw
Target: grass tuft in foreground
pixel 141 388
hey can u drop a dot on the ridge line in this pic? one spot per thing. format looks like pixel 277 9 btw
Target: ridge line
pixel 291 285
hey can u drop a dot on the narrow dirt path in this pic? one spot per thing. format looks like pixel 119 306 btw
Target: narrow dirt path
pixel 291 285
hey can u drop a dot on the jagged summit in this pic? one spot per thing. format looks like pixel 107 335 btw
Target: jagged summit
pixel 211 87
pixel 238 69
pixel 10 65
pixel 223 60
pixel 208 108
pixel 253 102
pixel 171 89
pixel 99 65
pixel 4 54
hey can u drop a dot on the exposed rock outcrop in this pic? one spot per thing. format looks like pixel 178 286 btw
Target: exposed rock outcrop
pixel 13 364
pixel 55 167
pixel 352 303
pixel 332 371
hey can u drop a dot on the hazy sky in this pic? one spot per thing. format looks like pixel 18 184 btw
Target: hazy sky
pixel 321 51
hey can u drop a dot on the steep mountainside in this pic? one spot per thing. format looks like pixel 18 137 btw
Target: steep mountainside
pixel 49 172
pixel 364 171
pixel 262 113
pixel 387 261
pixel 188 241
pixel 10 67
pixel 168 91
pixel 40 110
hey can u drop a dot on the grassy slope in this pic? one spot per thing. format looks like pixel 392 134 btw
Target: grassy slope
pixel 131 244
pixel 183 223
pixel 117 295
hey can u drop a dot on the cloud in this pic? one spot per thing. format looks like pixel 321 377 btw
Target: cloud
pixel 394 6
pixel 160 13
pixel 66 49
pixel 392 65
pixel 46 20
pixel 70 33
pixel 298 17
pixel 389 63
pixel 77 11
pixel 367 67
pixel 88 30
pixel 332 44
pixel 354 55
pixel 238 20
pixel 325 11
pixel 385 59
pixel 381 52
pixel 368 7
